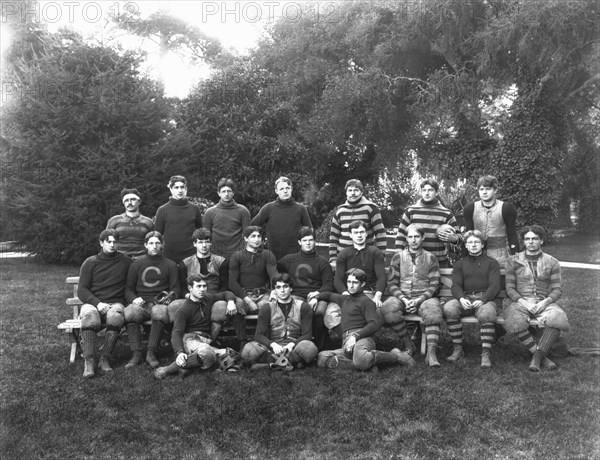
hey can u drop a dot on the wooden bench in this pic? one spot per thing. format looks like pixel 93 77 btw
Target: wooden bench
pixel 72 326
pixel 445 291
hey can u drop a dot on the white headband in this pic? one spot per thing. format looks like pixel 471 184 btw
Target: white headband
pixel 131 195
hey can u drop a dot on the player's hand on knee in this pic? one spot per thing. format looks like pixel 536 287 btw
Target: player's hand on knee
pixel 231 308
pixel 277 349
pixel 181 359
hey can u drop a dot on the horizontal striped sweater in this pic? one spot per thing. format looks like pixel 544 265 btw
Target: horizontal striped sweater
pixel 429 216
pixel 365 211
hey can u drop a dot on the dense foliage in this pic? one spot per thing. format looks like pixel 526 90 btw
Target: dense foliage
pixel 379 91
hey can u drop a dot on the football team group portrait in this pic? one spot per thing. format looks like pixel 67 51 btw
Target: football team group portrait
pixel 308 230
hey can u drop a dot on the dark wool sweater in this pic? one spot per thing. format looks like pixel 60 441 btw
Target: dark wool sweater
pixel 102 278
pixel 370 259
pixel 476 274
pixel 226 221
pixel 194 317
pixel 282 220
pixel 177 220
pixel 150 275
pixel 251 270
pixel 309 272
pixel 358 312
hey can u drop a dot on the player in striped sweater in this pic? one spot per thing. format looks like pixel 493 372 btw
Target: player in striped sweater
pixel 429 213
pixel 356 207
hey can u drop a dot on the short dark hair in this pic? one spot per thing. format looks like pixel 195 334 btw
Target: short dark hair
pixel 153 234
pixel 174 179
pixel 359 274
pixel 250 229
pixel 357 223
pixel 104 234
pixel 282 278
pixel 201 234
pixel 195 278
pixel 305 231
pixel 226 182
pixel 431 182
pixel 488 181
pixel 537 229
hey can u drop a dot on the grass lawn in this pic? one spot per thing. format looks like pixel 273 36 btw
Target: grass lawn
pixel 457 412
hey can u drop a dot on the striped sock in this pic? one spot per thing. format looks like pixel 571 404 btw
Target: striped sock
pixel 456 331
pixel 550 335
pixel 526 339
pixel 88 343
pixel 432 332
pixel 110 339
pixel 487 333
pixel 156 331
pixel 399 328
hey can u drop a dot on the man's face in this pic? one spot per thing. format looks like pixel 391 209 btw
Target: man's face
pixel 202 247
pixel 198 290
pixel 428 193
pixel 153 246
pixel 226 194
pixel 414 239
pixel 474 245
pixel 254 240
pixel 283 291
pixel 109 245
pixel 283 190
pixel 487 193
pixel 353 284
pixel 307 244
pixel 353 194
pixel 358 235
pixel 532 241
pixel 178 190
pixel 131 203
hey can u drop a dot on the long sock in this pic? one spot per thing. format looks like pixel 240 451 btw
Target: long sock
pixel 156 331
pixel 487 333
pixel 172 368
pixel 526 339
pixel 215 329
pixel 384 357
pixel 110 339
pixel 433 334
pixel 456 331
pixel 239 325
pixel 399 328
pixel 88 342
pixel 133 335
pixel 193 361
pixel 550 335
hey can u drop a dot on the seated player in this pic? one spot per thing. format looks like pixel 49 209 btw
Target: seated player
pixel 250 273
pixel 149 276
pixel 534 285
pixel 413 280
pixel 475 285
pixel 310 274
pixel 191 330
pixel 284 328
pixel 102 290
pixel 359 324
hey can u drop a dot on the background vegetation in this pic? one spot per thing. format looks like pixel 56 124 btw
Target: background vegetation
pixel 383 91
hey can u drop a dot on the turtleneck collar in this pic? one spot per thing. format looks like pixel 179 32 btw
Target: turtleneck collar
pixel 176 202
pixel 286 202
pixel 104 256
pixel 223 204
pixel 156 257
pixel 433 202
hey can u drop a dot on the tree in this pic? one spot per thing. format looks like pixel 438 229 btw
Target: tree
pixel 85 125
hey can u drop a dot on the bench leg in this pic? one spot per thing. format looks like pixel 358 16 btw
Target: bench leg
pixel 423 338
pixel 74 338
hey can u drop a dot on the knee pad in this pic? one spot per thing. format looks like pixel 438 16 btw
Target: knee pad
pixel 392 311
pixel 218 312
pixel 90 319
pixel 252 352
